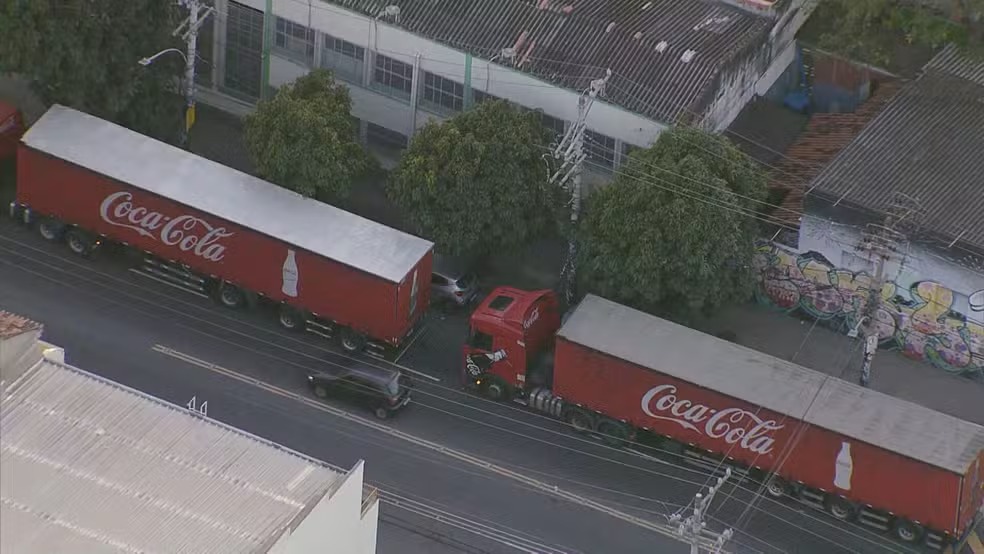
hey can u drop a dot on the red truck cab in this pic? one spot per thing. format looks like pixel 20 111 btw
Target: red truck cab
pixel 510 333
pixel 11 129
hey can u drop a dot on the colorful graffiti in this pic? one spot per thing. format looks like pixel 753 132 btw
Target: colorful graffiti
pixel 918 319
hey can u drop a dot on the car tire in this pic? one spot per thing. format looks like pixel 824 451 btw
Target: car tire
pixel 320 391
pixel 381 413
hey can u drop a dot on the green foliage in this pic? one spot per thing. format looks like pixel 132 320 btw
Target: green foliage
pixel 84 54
pixel 304 138
pixel 873 30
pixel 478 182
pixel 666 236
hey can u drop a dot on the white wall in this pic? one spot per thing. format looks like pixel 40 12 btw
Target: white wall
pixel 440 60
pixel 336 524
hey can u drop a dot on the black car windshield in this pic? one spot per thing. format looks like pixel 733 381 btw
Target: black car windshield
pixel 393 386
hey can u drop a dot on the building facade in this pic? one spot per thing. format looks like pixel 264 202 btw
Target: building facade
pixel 414 61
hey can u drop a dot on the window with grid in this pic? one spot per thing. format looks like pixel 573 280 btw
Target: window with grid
pixel 443 95
pixel 295 40
pixel 344 59
pixel 557 127
pixel 243 52
pixel 392 77
pixel 600 149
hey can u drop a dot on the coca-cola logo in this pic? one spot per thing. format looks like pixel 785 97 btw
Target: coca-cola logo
pixel 187 232
pixel 733 425
pixel 534 315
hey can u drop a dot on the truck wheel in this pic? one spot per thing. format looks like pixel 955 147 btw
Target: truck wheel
pixel 51 229
pixel 907 531
pixel 494 390
pixel 840 508
pixel 777 487
pixel 230 296
pixel 581 421
pixel 291 318
pixel 613 433
pixel 79 242
pixel 351 340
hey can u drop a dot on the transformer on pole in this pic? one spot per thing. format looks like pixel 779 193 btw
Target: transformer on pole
pixel 693 528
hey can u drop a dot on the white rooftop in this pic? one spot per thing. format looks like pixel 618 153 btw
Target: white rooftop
pixel 213 188
pixel 91 466
pixel 784 387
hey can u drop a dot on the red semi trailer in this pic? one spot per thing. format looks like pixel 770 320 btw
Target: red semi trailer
pixel 220 231
pixel 621 373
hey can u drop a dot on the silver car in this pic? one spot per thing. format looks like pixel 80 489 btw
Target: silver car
pixel 452 282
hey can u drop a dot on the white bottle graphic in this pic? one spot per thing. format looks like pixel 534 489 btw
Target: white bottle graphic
pixel 843 468
pixel 290 275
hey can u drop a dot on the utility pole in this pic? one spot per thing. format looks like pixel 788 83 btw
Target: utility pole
pixel 197 14
pixel 570 151
pixel 693 529
pixel 885 241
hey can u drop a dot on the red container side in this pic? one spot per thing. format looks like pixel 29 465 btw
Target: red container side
pixel 218 248
pixel 755 436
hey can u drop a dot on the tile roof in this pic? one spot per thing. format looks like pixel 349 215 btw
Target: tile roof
pixel 570 43
pixel 91 466
pixel 12 324
pixel 927 143
pixel 825 136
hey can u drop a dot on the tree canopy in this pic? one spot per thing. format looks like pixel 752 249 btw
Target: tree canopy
pixel 84 55
pixel 667 235
pixel 877 31
pixel 304 138
pixel 477 183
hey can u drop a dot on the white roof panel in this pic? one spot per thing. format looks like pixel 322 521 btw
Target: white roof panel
pixel 213 188
pixel 91 466
pixel 783 387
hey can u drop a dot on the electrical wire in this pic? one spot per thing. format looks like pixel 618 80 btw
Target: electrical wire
pixel 254 339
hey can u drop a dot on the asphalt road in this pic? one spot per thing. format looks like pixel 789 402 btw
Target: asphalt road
pixel 493 466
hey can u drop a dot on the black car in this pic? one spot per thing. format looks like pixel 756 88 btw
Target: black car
pixel 382 390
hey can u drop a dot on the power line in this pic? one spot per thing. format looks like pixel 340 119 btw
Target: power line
pixel 261 352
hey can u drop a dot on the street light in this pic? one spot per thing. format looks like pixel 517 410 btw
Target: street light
pixel 147 61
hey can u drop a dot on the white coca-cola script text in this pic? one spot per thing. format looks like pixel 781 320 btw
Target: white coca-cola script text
pixel 534 315
pixel 187 232
pixel 733 425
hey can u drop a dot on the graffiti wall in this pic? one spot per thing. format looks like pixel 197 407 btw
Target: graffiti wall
pixel 922 318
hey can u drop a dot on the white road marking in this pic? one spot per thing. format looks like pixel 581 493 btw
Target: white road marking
pixel 461 456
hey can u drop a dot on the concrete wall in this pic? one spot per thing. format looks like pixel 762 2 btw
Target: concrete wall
pixel 932 309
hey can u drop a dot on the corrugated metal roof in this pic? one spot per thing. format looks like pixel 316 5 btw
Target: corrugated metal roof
pixel 194 181
pixel 928 143
pixel 91 466
pixel 783 387
pixel 571 43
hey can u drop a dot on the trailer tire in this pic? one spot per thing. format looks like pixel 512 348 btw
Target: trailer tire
pixel 580 420
pixel 79 242
pixel 291 318
pixel 613 433
pixel 907 531
pixel 841 508
pixel 777 487
pixel 51 229
pixel 351 340
pixel 230 296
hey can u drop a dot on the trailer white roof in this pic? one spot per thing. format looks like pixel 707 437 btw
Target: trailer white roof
pixel 783 387
pixel 213 188
pixel 92 466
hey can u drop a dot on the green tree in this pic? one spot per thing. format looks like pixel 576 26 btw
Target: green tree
pixel 477 183
pixel 667 235
pixel 875 30
pixel 304 138
pixel 84 54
